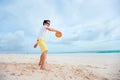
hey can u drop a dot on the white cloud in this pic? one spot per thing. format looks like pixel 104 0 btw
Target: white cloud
pixel 12 41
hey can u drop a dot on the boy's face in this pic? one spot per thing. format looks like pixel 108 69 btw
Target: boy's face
pixel 47 24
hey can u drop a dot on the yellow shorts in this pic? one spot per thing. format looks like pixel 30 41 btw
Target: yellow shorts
pixel 42 44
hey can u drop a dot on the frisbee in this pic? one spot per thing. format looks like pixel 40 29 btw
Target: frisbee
pixel 58 34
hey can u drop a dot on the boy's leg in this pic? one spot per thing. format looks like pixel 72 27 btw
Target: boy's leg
pixel 40 62
pixel 43 60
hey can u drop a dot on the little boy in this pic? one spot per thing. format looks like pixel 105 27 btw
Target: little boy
pixel 41 42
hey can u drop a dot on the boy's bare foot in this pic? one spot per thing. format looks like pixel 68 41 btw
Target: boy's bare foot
pixel 45 69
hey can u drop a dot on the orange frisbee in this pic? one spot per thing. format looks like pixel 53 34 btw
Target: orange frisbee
pixel 58 34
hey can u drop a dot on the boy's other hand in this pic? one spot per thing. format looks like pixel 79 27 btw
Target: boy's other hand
pixel 35 45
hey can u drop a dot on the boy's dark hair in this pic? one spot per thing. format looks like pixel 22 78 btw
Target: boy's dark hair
pixel 46 21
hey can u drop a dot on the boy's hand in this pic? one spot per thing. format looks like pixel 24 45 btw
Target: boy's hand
pixel 58 31
pixel 35 45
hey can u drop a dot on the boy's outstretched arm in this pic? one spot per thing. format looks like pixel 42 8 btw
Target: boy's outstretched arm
pixel 53 30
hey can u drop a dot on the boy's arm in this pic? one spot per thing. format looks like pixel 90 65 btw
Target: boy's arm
pixel 35 45
pixel 53 30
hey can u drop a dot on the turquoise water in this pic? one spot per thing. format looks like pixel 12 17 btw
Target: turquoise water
pixel 79 52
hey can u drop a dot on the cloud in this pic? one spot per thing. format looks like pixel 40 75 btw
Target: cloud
pixel 12 41
pixel 84 11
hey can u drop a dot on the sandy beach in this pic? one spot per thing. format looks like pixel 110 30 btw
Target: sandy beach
pixel 62 67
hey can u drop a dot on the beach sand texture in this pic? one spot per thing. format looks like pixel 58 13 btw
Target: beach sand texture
pixel 62 67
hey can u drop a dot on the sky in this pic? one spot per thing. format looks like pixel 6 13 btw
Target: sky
pixel 86 25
